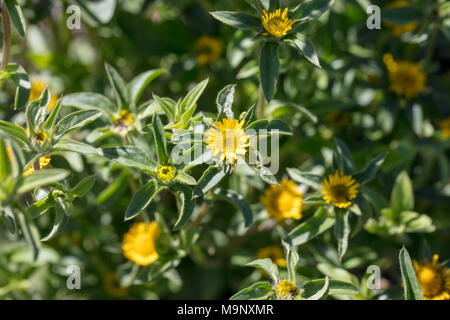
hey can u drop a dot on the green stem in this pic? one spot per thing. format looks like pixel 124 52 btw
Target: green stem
pixel 6 36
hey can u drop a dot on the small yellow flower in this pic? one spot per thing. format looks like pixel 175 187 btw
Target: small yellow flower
pixel 277 24
pixel 228 140
pixel 274 253
pixel 399 29
pixel 445 127
pixel 139 243
pixel 406 78
pixel 339 189
pixel 37 86
pixel 286 288
pixel 44 162
pixel 166 173
pixel 283 201
pixel 433 279
pixel 208 50
pixel 123 122
pixel 112 285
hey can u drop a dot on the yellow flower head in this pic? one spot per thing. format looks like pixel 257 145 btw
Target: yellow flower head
pixel 139 243
pixel 339 189
pixel 277 24
pixel 112 285
pixel 228 140
pixel 283 201
pixel 39 136
pixel 274 253
pixel 399 29
pixel 406 78
pixel 44 162
pixel 166 173
pixel 37 86
pixel 445 127
pixel 433 279
pixel 123 121
pixel 286 288
pixel 208 50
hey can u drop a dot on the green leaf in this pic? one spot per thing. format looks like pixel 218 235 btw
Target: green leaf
pixel 240 203
pixel 317 292
pixel 74 146
pixel 51 120
pixel 75 121
pixel 292 259
pixel 311 228
pixel 410 284
pixel 137 86
pixel 305 47
pixel 266 175
pixel 5 163
pixel 20 77
pixel 270 126
pixel 266 265
pixel 34 113
pixel 238 20
pixel 371 169
pixel 279 108
pixel 119 184
pixel 192 97
pixel 312 9
pixel 14 131
pixel 41 178
pixel 334 287
pixel 415 222
pixel 345 155
pixel 187 205
pixel 402 15
pixel 184 178
pixel 269 67
pixel 59 222
pixel 256 4
pixel 402 198
pixel 309 179
pixel 40 207
pixel 119 87
pixel 225 100
pixel 141 199
pixel 342 230
pixel 168 105
pixel 257 291
pixel 130 156
pixel 31 234
pixel 210 178
pixel 160 140
pixel 16 15
pixel 89 100
pixel 83 186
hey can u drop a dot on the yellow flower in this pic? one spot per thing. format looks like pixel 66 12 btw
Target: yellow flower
pixel 112 285
pixel 277 24
pixel 274 253
pixel 228 140
pixel 139 243
pixel 445 127
pixel 339 189
pixel 37 86
pixel 283 201
pixel 406 78
pixel 208 50
pixel 286 288
pixel 399 29
pixel 123 122
pixel 44 162
pixel 433 279
pixel 166 173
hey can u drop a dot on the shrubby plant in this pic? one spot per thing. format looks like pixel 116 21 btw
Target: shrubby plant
pixel 233 167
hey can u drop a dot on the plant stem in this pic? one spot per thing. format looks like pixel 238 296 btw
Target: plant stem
pixel 6 36
pixel 261 103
